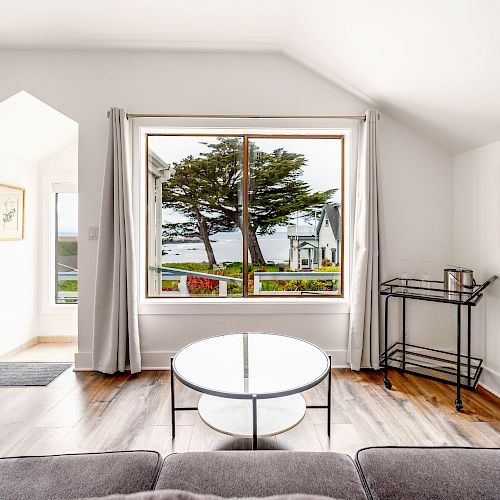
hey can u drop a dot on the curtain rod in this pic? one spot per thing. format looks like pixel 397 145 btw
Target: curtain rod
pixel 265 117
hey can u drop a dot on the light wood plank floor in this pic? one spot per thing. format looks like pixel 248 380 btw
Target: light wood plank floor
pixel 83 412
pixel 56 352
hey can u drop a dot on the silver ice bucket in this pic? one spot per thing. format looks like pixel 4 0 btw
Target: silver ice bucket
pixel 458 279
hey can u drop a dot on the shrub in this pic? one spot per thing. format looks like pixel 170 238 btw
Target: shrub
pixel 201 286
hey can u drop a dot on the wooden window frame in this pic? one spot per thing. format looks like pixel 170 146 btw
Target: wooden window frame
pixel 246 137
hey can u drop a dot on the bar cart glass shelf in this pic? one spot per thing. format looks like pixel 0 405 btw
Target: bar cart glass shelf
pixel 461 370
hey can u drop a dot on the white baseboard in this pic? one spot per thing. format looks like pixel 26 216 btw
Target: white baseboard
pixel 21 347
pixel 83 362
pixel 490 380
pixel 160 360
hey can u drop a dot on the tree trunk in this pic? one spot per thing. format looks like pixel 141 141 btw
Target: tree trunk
pixel 254 248
pixel 256 255
pixel 205 236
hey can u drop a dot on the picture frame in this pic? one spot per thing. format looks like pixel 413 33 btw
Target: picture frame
pixel 12 199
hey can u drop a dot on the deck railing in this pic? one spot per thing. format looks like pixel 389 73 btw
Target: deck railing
pixel 181 275
pixel 71 297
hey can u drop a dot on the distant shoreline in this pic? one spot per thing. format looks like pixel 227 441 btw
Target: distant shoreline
pixel 169 241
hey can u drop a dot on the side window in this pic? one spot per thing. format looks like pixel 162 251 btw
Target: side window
pixel 65 263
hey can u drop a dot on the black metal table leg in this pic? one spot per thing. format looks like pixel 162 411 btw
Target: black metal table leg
pixel 329 395
pixel 254 421
pixel 172 395
pixel 404 333
pixel 387 382
pixel 458 401
pixel 468 344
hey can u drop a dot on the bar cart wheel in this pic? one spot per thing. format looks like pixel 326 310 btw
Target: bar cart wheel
pixel 387 383
pixel 458 404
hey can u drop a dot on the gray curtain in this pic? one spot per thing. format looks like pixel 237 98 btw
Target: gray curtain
pixel 116 331
pixel 364 349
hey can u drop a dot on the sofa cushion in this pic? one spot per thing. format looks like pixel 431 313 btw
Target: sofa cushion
pixel 436 473
pixel 262 473
pixel 186 495
pixel 76 476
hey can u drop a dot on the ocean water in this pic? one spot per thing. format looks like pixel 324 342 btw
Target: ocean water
pixel 228 247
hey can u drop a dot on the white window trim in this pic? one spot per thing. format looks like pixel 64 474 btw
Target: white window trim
pixel 244 305
pixel 69 183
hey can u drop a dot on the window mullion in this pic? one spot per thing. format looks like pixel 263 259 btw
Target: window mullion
pixel 245 215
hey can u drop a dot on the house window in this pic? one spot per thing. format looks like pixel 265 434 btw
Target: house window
pixel 243 215
pixel 65 268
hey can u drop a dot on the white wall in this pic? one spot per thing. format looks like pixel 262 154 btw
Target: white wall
pixel 415 175
pixel 61 166
pixel 476 245
pixel 19 261
pixel 416 227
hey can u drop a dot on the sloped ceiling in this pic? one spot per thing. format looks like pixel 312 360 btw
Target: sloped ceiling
pixel 434 65
pixel 32 130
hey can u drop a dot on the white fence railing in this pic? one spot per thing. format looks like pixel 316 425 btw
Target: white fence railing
pixel 67 276
pixel 181 275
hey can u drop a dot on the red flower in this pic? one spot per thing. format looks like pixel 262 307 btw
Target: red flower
pixel 196 284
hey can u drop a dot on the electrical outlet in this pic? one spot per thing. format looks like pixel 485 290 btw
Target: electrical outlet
pixel 93 233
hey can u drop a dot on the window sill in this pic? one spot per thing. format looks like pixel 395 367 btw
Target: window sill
pixel 247 306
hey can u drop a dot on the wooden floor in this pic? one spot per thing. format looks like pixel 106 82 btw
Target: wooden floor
pixel 56 352
pixel 83 412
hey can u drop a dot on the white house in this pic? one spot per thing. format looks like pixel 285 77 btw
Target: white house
pixel 310 244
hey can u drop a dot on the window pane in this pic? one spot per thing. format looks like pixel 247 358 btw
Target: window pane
pixel 194 191
pixel 294 218
pixel 66 248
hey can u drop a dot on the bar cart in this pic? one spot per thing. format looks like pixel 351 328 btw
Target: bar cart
pixel 449 367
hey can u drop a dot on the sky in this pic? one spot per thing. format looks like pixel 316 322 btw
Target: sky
pixel 322 170
pixel 67 213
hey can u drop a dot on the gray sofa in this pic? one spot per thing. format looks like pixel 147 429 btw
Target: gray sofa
pixel 376 473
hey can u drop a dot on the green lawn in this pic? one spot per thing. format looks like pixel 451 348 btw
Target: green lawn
pixel 68 286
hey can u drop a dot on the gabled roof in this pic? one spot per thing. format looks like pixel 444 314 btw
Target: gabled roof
pixel 312 243
pixel 332 212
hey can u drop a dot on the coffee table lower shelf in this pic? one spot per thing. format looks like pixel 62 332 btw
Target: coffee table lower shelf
pixel 234 416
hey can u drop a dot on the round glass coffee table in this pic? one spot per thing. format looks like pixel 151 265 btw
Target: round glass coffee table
pixel 236 371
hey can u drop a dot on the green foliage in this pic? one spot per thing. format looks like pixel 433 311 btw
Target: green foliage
pixel 276 189
pixel 234 289
pixel 68 286
pixel 67 248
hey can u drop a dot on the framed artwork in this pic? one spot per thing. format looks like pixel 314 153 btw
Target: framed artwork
pixel 11 212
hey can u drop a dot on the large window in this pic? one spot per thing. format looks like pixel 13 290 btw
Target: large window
pixel 65 244
pixel 244 215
